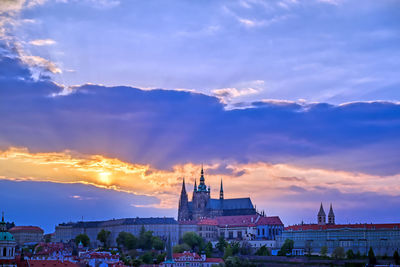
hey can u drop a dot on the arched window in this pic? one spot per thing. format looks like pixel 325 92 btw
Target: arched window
pixel 4 252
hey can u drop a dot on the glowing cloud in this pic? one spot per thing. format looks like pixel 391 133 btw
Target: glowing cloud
pixel 42 42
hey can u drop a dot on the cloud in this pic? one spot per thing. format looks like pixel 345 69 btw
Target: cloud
pixel 42 42
pixel 36 61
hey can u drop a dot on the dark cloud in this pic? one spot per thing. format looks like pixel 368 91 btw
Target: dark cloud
pixel 165 127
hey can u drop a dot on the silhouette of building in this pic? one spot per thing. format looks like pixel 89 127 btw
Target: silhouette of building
pixel 203 206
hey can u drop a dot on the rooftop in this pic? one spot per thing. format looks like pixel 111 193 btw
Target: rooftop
pixel 313 227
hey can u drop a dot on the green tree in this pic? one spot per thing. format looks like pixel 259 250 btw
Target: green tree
pixel 324 251
pixel 350 254
pixel 103 236
pixel 246 248
pixel 84 238
pixel 338 253
pixel 396 257
pixel 145 239
pixel 160 258
pixel 233 262
pixel 235 247
pixel 147 257
pixel 47 238
pixel 127 240
pixel 263 251
pixel 193 240
pixel 181 248
pixel 208 250
pixel 157 243
pixel 221 245
pixel 286 248
pixel 228 251
pixel 371 256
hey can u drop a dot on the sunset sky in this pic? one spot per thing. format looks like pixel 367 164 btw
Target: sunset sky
pixel 105 105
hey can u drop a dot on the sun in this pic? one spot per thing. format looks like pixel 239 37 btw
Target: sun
pixel 104 177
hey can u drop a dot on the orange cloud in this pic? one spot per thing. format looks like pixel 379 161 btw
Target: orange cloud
pixel 264 182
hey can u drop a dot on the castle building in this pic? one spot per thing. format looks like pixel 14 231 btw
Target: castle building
pixel 203 206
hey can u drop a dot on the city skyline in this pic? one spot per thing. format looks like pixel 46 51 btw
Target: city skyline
pixel 107 103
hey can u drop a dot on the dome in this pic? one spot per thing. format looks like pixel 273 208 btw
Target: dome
pixel 6 236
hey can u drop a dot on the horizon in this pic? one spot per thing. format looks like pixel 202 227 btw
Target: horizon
pixel 105 105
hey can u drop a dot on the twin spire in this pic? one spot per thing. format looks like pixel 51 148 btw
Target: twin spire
pixel 322 216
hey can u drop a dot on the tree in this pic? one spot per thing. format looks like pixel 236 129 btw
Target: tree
pixel 84 238
pixel 350 254
pixel 127 240
pixel 338 253
pixel 371 256
pixel 193 240
pixel 160 258
pixel 396 257
pixel 263 251
pixel 228 251
pixel 286 248
pixel 157 243
pixel 235 247
pixel 147 257
pixel 145 239
pixel 221 245
pixel 324 251
pixel 181 248
pixel 103 237
pixel 246 248
pixel 208 250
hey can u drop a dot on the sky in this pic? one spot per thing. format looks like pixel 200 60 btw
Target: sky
pixel 105 105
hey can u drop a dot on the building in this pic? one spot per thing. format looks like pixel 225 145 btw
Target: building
pixel 191 259
pixel 383 238
pixel 237 228
pixel 7 244
pixel 27 234
pixel 203 206
pixel 161 227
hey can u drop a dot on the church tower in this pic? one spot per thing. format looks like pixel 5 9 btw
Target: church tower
pixel 183 211
pixel 321 216
pixel 331 216
pixel 201 195
pixel 221 192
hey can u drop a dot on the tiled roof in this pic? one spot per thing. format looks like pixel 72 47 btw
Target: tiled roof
pixel 16 229
pixel 51 263
pixel 271 220
pixel 186 254
pixel 125 221
pixel 217 260
pixel 241 220
pixel 306 227
pixel 230 204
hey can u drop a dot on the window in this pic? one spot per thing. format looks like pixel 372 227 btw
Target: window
pixel 230 235
pixel 239 234
pixel 4 252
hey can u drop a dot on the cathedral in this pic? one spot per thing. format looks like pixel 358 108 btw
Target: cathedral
pixel 203 206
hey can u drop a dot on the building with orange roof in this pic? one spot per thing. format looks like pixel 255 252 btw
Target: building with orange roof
pixel 27 234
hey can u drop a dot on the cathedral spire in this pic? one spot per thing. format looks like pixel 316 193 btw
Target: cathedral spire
pixel 183 187
pixel 321 215
pixel 221 191
pixel 195 185
pixel 202 186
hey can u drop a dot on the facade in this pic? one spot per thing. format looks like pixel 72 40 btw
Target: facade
pixel 310 238
pixel 191 259
pixel 203 206
pixel 161 227
pixel 242 227
pixel 7 244
pixel 27 234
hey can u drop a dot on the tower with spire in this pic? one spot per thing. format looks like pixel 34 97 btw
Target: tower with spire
pixel 7 242
pixel 183 210
pixel 331 216
pixel 200 198
pixel 221 191
pixel 321 216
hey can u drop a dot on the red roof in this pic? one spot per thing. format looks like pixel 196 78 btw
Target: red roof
pixel 51 263
pixel 274 220
pixel 217 260
pixel 16 229
pixel 242 221
pixel 186 254
pixel 17 261
pixel 370 226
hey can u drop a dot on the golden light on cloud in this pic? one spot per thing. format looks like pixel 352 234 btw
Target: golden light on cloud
pixel 264 182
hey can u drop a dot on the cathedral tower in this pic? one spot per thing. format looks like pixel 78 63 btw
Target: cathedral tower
pixel 331 216
pixel 321 216
pixel 200 198
pixel 183 211
pixel 221 192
